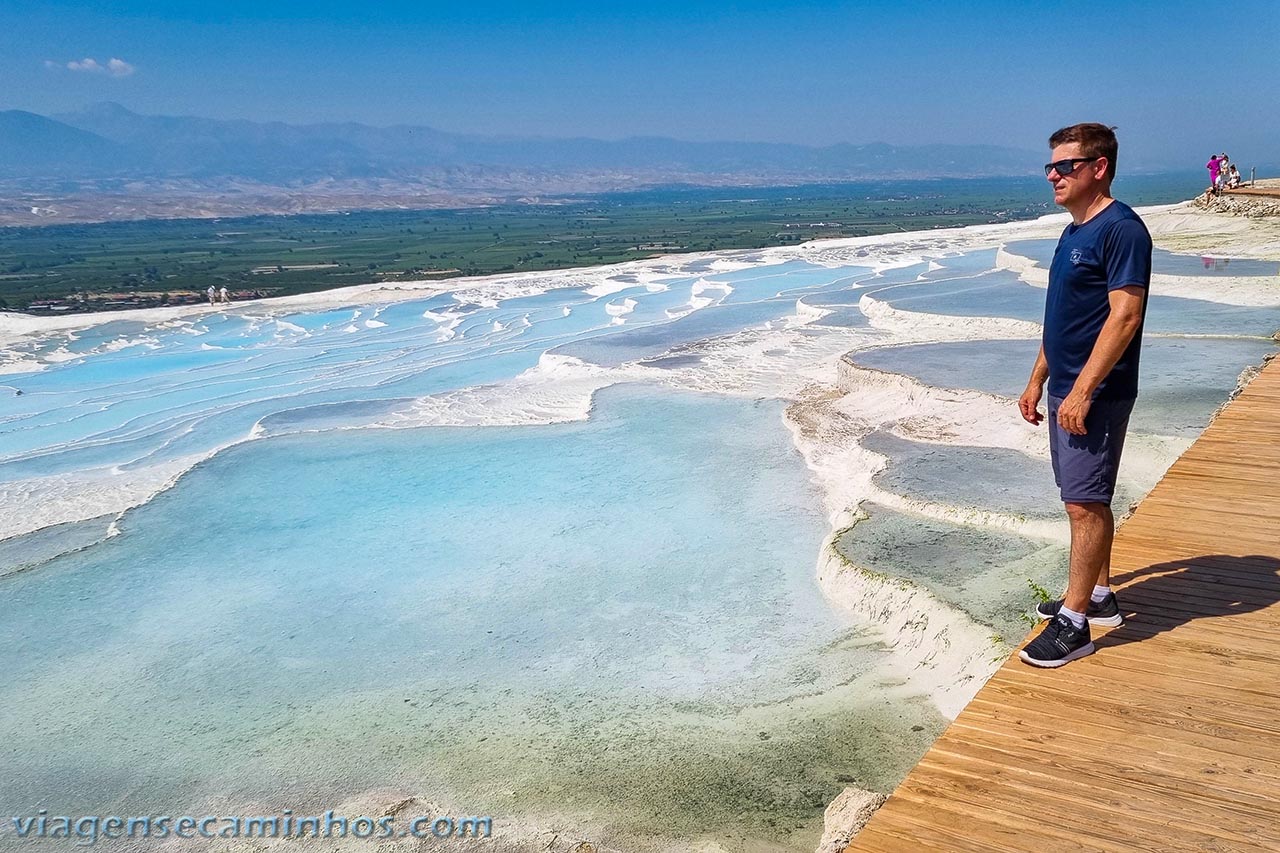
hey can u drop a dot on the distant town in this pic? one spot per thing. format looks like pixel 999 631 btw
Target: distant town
pixel 115 301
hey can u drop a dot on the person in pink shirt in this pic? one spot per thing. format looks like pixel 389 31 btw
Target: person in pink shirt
pixel 1214 165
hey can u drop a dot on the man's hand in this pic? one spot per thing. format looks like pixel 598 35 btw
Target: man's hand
pixel 1073 411
pixel 1027 404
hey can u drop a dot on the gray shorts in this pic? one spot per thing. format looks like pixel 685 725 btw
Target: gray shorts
pixel 1085 466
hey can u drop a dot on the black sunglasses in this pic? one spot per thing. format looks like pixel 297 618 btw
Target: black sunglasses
pixel 1066 167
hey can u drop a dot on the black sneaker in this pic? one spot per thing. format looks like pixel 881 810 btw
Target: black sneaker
pixel 1104 613
pixel 1060 642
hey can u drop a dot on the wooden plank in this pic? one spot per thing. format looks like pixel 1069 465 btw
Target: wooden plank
pixel 1167 739
pixel 1086 692
pixel 1016 718
pixel 1145 777
pixel 1129 677
pixel 940 825
pixel 1107 811
pixel 1076 779
pixel 1125 550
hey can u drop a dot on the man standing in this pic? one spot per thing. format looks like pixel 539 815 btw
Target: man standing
pixel 1092 338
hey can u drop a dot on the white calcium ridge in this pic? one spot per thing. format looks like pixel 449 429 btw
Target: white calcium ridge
pixel 59 355
pixel 558 389
pixel 39 502
pixel 730 263
pixel 619 311
pixel 938 651
pixel 805 314
pixel 1036 528
pixel 777 362
pixel 701 286
pixel 940 327
pixel 608 288
pixel 11 362
pixel 286 326
pixel 1027 269
pixel 449 322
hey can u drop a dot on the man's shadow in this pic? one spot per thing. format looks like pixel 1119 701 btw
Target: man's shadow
pixel 1162 596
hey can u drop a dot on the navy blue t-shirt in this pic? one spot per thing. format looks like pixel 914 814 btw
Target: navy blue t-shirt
pixel 1111 250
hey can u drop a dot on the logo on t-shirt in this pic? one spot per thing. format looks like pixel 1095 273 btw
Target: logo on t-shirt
pixel 1076 256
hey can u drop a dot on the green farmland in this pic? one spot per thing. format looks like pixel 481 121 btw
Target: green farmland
pixel 128 264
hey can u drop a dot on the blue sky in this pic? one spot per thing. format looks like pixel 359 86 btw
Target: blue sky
pixel 1180 80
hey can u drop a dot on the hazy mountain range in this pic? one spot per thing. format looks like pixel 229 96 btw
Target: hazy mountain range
pixel 107 162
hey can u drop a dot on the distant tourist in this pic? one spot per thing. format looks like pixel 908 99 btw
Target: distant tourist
pixel 1224 163
pixel 1233 177
pixel 213 294
pixel 1215 168
pixel 223 295
pixel 1093 315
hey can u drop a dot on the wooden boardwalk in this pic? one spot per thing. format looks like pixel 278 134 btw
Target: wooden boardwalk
pixel 1168 738
pixel 1269 192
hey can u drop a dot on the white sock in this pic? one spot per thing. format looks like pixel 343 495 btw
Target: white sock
pixel 1099 593
pixel 1077 619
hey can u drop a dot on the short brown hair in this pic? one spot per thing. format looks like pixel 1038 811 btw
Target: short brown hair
pixel 1095 140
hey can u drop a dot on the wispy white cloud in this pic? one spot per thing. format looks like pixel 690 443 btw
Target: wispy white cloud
pixel 114 67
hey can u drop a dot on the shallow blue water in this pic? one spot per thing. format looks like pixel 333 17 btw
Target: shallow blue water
pixel 620 561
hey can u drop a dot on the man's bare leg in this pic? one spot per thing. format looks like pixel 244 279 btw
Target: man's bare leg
pixel 1093 528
